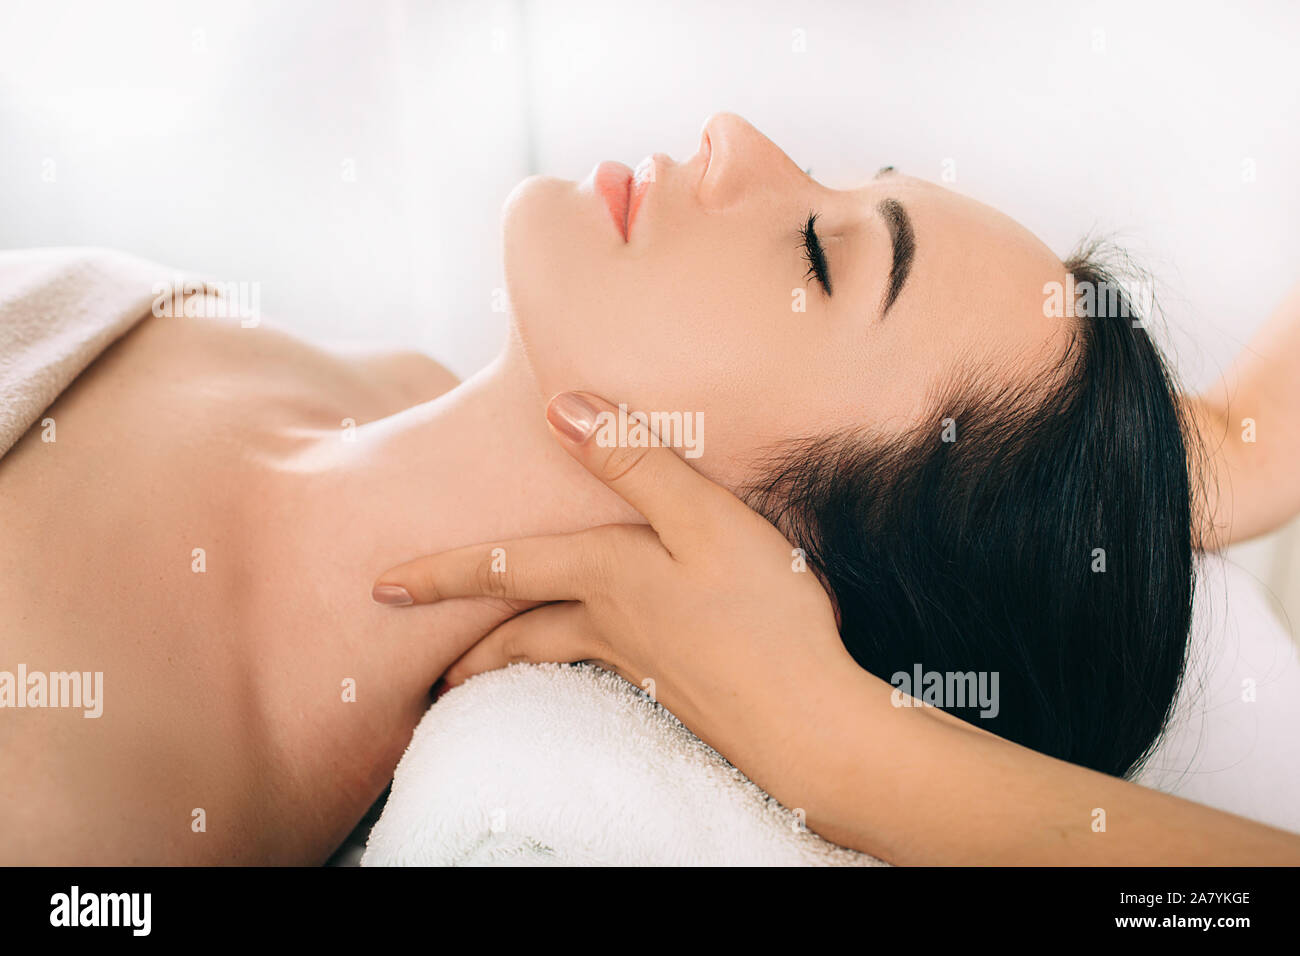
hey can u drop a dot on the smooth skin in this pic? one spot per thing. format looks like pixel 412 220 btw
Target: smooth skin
pixel 1250 429
pixel 745 651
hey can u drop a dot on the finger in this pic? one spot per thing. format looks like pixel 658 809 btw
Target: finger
pixel 557 567
pixel 674 497
pixel 559 633
pixel 549 568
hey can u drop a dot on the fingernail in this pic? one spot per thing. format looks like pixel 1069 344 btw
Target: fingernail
pixel 573 416
pixel 391 594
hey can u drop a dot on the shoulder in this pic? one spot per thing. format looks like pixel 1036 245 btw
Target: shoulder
pixel 410 376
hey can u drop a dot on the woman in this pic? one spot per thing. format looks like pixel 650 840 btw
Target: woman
pixel 203 526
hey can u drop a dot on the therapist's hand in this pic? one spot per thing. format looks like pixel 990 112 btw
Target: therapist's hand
pixel 744 650
pixel 708 607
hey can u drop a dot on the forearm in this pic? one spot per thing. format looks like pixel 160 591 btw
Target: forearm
pixel 1251 436
pixel 913 785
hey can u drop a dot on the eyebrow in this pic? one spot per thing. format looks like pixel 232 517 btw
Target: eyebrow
pixel 904 245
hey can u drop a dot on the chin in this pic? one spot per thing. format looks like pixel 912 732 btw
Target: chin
pixel 524 234
pixel 547 250
pixel 582 318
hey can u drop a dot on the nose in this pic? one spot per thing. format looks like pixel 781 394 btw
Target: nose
pixel 742 160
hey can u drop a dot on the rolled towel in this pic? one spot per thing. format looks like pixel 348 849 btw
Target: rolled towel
pixel 553 765
pixel 538 765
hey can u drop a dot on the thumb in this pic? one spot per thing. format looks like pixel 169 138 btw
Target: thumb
pixel 554 633
pixel 622 451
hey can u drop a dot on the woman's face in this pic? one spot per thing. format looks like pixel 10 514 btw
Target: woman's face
pixel 707 307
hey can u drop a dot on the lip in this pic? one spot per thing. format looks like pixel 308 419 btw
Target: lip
pixel 646 172
pixel 623 190
pixel 613 181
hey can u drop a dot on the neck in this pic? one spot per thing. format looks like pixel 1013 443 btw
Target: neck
pixel 477 464
pixel 473 466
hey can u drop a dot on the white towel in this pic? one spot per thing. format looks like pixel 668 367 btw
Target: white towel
pixel 59 309
pixel 554 765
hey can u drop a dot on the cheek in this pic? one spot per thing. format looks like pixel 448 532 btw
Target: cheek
pixel 725 345
pixel 715 307
pixel 703 324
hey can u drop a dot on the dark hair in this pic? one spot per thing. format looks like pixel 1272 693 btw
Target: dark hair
pixel 981 554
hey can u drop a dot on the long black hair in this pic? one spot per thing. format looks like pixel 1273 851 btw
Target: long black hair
pixel 1041 531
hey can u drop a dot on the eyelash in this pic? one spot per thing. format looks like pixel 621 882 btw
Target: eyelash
pixel 814 254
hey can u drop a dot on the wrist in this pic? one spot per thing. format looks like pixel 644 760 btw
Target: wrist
pixel 810 737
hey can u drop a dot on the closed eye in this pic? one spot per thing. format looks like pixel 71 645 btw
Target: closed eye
pixel 814 254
